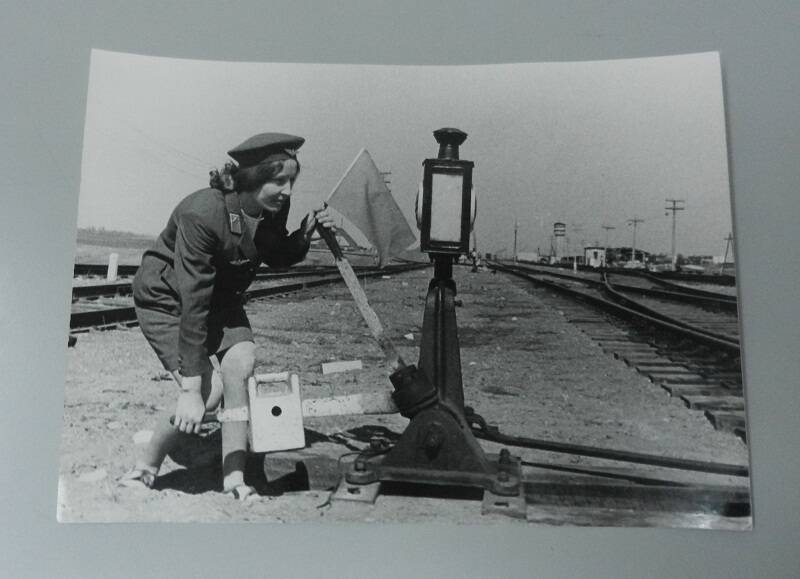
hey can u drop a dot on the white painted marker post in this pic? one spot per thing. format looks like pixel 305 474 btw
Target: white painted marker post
pixel 113 262
pixel 341 366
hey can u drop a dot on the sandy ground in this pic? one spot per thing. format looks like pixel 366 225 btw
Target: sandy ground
pixel 525 369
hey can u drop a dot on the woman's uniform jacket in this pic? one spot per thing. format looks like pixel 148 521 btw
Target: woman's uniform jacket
pixel 209 261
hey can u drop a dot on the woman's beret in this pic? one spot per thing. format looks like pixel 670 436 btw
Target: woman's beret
pixel 258 148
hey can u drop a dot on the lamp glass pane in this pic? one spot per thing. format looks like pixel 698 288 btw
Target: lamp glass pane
pixel 446 207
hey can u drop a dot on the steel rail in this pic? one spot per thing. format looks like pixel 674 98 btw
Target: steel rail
pixel 120 315
pixel 676 292
pixel 687 289
pixel 488 432
pixel 726 280
pixel 124 288
pixel 100 269
pixel 652 314
pixel 101 290
pixel 101 318
pixel 80 269
pixel 318 270
pixel 733 501
pixel 722 303
pixel 662 322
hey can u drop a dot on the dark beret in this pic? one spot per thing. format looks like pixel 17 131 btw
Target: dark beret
pixel 258 148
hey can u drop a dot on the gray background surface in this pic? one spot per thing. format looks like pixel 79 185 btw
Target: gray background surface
pixel 44 49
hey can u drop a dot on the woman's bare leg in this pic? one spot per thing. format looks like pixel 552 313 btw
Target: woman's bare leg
pixel 236 368
pixel 165 436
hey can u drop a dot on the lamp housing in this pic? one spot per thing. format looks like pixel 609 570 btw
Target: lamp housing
pixel 447 204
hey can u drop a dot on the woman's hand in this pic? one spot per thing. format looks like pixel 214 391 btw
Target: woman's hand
pixel 190 408
pixel 322 216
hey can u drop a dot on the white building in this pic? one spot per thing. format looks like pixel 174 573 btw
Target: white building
pixel 594 256
pixel 529 256
pixel 718 259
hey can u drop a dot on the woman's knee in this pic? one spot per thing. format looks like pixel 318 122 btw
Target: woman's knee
pixel 239 360
pixel 215 392
pixel 210 388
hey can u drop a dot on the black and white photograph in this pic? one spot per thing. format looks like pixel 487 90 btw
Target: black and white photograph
pixel 497 294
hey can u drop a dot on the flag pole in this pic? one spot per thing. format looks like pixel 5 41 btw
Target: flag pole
pixel 370 317
pixel 393 359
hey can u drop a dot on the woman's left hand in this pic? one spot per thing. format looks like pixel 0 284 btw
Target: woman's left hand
pixel 322 216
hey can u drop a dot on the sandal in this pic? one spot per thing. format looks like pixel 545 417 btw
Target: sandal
pixel 242 492
pixel 138 477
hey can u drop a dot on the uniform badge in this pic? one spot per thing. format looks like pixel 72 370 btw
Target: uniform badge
pixel 236 223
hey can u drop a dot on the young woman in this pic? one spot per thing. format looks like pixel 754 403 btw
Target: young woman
pixel 188 293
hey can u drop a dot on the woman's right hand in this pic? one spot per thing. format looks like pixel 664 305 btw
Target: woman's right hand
pixel 190 408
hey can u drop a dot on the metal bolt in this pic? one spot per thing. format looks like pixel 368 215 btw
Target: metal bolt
pixel 434 437
pixel 360 465
pixel 433 440
pixel 505 456
pixel 502 476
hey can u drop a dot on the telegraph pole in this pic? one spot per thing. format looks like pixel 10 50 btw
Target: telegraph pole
pixel 516 225
pixel 605 250
pixel 635 221
pixel 675 208
pixel 728 241
pixel 577 228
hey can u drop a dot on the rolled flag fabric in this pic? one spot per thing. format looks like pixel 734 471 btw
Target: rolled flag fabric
pixel 365 200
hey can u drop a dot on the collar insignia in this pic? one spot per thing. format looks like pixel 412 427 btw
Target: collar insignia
pixel 236 223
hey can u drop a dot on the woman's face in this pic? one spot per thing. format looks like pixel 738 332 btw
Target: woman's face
pixel 274 194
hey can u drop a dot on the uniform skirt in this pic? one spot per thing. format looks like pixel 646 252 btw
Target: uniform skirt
pixel 159 315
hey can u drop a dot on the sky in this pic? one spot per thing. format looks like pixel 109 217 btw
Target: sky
pixel 583 143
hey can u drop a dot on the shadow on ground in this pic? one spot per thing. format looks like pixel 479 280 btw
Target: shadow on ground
pixel 201 459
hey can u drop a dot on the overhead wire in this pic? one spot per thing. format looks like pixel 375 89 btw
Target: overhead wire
pixel 148 152
pixel 172 148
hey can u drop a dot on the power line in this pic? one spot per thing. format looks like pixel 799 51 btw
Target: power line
pixel 164 145
pixel 148 153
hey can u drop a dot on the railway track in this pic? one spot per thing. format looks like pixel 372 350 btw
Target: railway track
pixel 686 342
pixel 106 306
pixel 94 291
pixel 578 494
pixel 645 284
pixel 125 271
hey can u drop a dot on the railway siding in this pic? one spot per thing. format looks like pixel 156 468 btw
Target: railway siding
pixel 526 368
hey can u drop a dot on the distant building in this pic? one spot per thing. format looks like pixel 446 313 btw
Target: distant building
pixel 718 259
pixel 619 254
pixel 597 256
pixel 594 256
pixel 700 259
pixel 528 256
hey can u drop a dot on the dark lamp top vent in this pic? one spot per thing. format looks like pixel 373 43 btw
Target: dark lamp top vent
pixel 449 140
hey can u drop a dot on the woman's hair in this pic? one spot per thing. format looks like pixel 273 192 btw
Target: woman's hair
pixel 233 177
